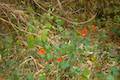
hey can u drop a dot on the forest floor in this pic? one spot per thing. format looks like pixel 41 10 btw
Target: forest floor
pixel 38 44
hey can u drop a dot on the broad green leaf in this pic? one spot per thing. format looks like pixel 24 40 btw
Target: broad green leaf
pixel 86 73
pixel 110 77
pixel 114 71
pixel 42 76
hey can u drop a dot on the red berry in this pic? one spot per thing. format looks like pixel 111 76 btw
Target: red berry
pixel 84 32
pixel 59 59
pixel 42 51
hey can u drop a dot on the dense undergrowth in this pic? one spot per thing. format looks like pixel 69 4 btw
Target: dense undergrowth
pixel 59 40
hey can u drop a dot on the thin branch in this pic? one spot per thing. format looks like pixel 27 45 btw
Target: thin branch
pixel 67 20
pixel 60 5
pixel 17 28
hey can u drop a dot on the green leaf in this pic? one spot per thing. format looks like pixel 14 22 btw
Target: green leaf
pixel 42 76
pixel 117 19
pixel 48 25
pixel 64 65
pixel 110 77
pixel 29 9
pixel 114 71
pixel 44 35
pixel 116 31
pixel 60 29
pixel 31 28
pixel 31 41
pixel 87 42
pixel 100 75
pixel 86 73
pixel 49 16
pixel 30 76
pixel 49 56
pixel 59 22
pixel 38 40
pixel 76 70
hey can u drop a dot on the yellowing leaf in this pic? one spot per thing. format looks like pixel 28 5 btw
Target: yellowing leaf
pixel 44 35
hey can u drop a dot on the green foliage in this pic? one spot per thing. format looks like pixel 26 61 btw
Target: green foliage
pixel 31 41
pixel 116 31
pixel 74 49
pixel 64 65
pixel 31 28
pixel 86 73
pixel 76 70
pixel 14 76
pixel 114 71
pixel 42 76
pixel 117 19
pixel 110 77
pixel 100 75
pixel 49 56
pixel 44 35
pixel 48 25
pixel 30 77
pixel 59 22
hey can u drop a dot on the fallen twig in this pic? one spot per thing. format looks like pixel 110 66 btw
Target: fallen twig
pixel 67 20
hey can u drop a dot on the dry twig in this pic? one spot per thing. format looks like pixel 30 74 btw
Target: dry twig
pixel 67 20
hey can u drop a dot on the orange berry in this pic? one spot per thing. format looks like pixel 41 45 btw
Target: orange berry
pixel 59 59
pixel 84 32
pixel 42 51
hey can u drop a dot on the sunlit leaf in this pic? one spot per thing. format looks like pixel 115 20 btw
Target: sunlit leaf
pixel 48 25
pixel 86 73
pixel 31 41
pixel 44 35
pixel 42 76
